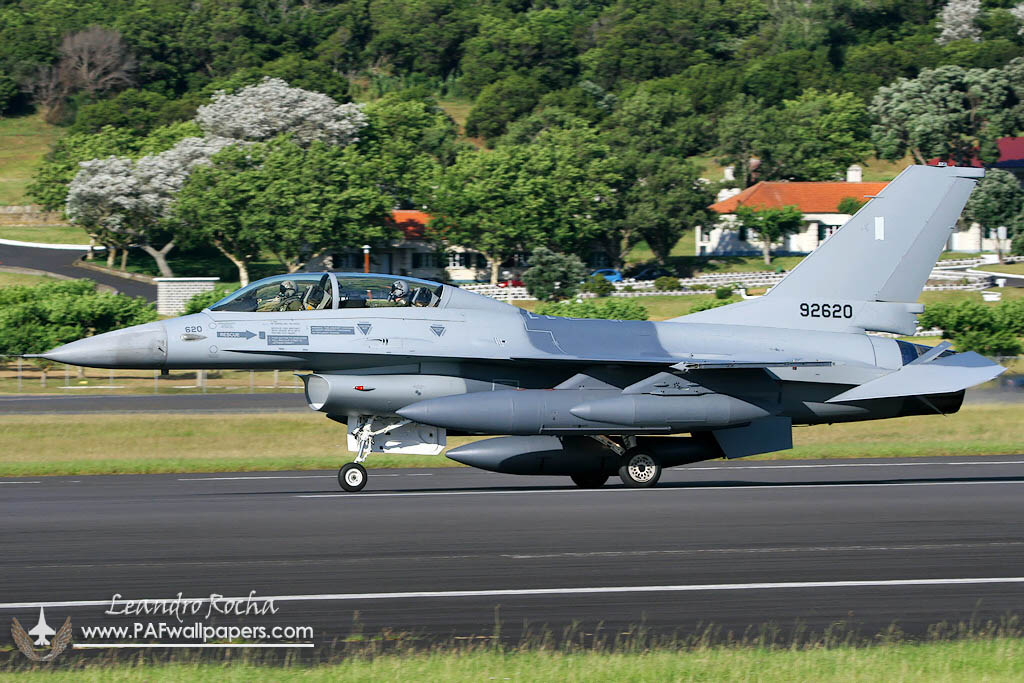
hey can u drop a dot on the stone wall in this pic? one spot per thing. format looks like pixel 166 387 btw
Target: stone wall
pixel 29 215
pixel 172 293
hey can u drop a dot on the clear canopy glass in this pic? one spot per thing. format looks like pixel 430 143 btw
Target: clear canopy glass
pixel 322 291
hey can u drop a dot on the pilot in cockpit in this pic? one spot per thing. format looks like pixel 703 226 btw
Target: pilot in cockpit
pixel 399 293
pixel 286 299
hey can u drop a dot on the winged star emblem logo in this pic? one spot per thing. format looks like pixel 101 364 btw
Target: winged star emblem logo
pixel 42 631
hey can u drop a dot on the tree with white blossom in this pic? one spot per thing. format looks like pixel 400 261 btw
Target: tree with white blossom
pixel 123 203
pixel 956 21
pixel 260 112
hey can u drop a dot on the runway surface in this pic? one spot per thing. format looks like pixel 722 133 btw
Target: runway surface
pixel 443 552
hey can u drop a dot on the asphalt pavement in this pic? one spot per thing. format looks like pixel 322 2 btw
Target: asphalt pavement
pixel 443 553
pixel 62 262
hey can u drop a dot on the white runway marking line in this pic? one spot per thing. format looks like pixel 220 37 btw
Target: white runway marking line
pixel 848 464
pixel 526 592
pixel 688 489
pixel 301 476
pixel 21 482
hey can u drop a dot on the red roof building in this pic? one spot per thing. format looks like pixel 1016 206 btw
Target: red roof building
pixel 809 197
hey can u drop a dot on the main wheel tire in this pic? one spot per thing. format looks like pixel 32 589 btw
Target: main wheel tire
pixel 352 477
pixel 589 481
pixel 639 470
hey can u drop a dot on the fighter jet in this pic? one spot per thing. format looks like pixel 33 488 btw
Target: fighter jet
pixel 406 362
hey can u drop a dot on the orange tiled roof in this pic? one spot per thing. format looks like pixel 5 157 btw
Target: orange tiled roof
pixel 411 222
pixel 809 197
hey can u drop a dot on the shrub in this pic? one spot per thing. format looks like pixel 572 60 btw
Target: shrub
pixel 38 318
pixel 667 283
pixel 1001 343
pixel 723 292
pixel 206 299
pixel 599 285
pixel 610 309
pixel 553 276
pixel 711 303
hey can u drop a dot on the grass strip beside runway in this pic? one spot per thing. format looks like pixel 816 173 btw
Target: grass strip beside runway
pixel 34 445
pixel 997 659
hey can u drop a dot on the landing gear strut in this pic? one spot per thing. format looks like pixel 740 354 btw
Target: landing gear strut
pixel 352 476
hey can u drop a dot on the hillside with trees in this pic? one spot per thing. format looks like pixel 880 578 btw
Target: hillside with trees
pixel 219 122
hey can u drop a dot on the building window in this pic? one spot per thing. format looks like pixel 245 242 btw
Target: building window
pixel 424 259
pixel 743 235
pixel 347 261
pixel 599 259
pixel 826 231
pixel 466 259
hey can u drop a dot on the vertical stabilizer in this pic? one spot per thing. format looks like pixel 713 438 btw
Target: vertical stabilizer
pixel 871 271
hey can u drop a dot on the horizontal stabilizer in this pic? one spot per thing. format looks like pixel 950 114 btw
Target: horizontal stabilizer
pixel 940 376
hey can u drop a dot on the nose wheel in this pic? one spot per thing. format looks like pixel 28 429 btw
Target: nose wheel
pixel 352 477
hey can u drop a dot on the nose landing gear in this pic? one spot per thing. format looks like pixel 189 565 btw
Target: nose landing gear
pixel 352 476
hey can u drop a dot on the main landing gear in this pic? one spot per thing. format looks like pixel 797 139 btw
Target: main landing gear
pixel 352 476
pixel 638 469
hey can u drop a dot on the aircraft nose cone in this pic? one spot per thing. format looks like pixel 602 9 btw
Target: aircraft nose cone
pixel 140 347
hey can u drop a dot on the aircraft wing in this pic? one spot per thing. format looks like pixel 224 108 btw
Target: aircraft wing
pixel 939 376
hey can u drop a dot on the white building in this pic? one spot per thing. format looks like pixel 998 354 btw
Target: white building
pixel 819 203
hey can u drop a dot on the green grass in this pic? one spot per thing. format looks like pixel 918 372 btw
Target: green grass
pixel 879 170
pixel 34 445
pixel 1014 268
pixel 46 234
pixel 24 140
pixel 975 659
pixel 8 279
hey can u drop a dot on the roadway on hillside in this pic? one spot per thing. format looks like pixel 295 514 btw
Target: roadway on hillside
pixel 61 262
pixel 444 552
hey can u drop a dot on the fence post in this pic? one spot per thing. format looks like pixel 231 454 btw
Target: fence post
pixel 252 381
pixel 156 381
pixel 277 376
pixel 67 374
pixel 19 374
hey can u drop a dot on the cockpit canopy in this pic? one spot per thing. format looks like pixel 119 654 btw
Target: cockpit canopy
pixel 327 291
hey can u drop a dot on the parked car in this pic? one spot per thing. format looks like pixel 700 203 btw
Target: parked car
pixel 651 273
pixel 510 283
pixel 609 274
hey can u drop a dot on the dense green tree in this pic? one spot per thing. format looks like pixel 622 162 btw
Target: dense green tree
pixel 997 200
pixel 500 103
pixel 540 44
pixel 556 191
pixel 665 198
pixel 949 112
pixel 290 200
pixel 553 276
pixel 769 224
pixel 425 36
pixel 406 141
